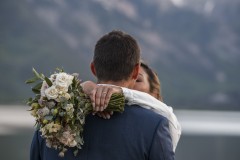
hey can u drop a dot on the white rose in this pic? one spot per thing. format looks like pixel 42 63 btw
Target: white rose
pixel 51 92
pixel 62 89
pixel 63 97
pixel 72 143
pixel 63 80
pixel 67 96
pixel 53 77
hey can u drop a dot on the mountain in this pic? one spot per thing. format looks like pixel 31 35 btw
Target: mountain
pixel 193 45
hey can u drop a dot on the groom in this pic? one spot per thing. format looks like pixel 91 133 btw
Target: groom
pixel 135 134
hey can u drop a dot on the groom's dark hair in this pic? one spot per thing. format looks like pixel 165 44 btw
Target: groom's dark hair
pixel 115 56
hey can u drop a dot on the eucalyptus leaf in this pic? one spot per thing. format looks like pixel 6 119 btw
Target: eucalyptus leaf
pixel 61 114
pixel 37 74
pixel 36 91
pixel 37 126
pixel 49 82
pixel 75 152
pixel 49 118
pixel 59 69
pixel 38 86
pixel 29 103
pixel 31 80
pixel 42 75
pixel 30 109
pixel 38 96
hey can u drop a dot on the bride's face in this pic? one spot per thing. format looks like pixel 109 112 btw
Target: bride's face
pixel 142 83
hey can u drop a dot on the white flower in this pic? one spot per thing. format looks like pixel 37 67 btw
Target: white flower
pixel 64 97
pixel 43 112
pixel 43 130
pixel 70 110
pixel 51 92
pixel 53 77
pixel 48 143
pixel 61 154
pixel 43 88
pixel 50 104
pixel 51 127
pixel 72 143
pixel 67 96
pixel 63 80
pixel 69 107
pixel 68 139
pixel 62 89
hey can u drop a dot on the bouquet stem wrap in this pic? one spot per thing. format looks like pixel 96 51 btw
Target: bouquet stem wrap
pixel 60 107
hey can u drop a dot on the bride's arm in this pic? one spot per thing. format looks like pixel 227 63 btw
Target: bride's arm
pixel 149 102
pixel 144 100
pixel 88 86
pixel 132 96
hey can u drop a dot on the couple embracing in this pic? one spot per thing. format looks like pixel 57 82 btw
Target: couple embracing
pixel 146 130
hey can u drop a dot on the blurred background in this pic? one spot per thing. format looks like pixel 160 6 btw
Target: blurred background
pixel 193 45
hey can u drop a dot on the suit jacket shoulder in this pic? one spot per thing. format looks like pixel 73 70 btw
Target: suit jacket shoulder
pixel 137 133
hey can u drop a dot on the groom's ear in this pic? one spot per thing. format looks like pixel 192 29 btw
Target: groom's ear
pixel 136 71
pixel 93 68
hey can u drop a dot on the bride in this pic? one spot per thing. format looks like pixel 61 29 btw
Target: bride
pixel 145 93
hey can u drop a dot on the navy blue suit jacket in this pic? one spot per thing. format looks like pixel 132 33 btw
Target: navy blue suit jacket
pixel 135 134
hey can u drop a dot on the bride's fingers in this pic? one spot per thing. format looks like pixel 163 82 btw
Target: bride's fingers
pixel 105 115
pixel 98 98
pixel 104 93
pixel 101 114
pixel 101 96
pixel 92 97
pixel 107 97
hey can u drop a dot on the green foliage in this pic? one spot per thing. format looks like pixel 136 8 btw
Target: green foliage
pixel 48 81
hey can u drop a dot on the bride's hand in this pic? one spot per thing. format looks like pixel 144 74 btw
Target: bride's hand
pixel 88 87
pixel 101 95
pixel 105 114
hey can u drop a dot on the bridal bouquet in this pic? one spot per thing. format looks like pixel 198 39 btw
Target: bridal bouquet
pixel 60 107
